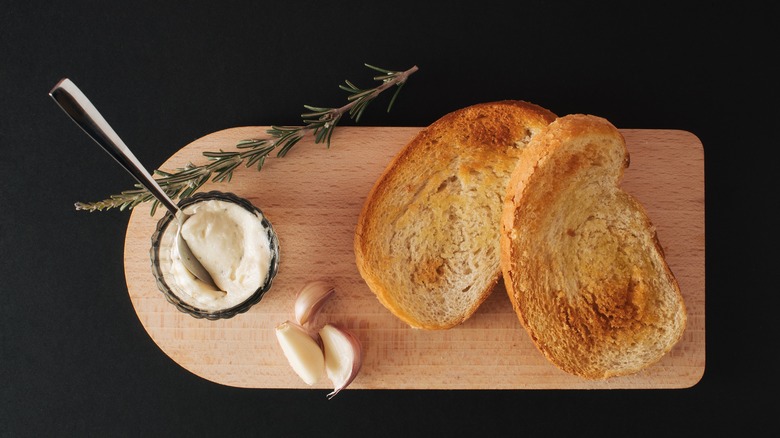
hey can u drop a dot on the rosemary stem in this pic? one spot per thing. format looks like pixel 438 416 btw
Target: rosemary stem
pixel 319 121
pixel 399 78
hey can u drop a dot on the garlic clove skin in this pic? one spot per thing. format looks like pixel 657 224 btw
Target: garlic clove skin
pixel 302 351
pixel 310 300
pixel 343 356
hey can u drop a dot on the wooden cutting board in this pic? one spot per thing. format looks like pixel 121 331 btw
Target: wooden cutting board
pixel 313 197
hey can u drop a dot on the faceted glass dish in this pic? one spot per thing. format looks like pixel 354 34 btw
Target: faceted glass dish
pixel 163 241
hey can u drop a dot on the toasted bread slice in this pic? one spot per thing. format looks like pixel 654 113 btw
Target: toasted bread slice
pixel 426 241
pixel 581 260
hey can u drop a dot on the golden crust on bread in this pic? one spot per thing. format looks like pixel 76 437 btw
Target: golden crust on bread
pixel 581 260
pixel 426 241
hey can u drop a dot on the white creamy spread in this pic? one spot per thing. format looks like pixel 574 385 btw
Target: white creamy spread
pixel 232 244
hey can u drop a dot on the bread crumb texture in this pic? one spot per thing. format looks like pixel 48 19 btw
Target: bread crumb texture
pixel 427 240
pixel 581 260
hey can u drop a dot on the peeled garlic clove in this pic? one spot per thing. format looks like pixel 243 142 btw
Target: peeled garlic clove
pixel 343 356
pixel 310 300
pixel 302 351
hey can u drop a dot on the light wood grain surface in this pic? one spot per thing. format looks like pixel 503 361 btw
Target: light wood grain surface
pixel 313 197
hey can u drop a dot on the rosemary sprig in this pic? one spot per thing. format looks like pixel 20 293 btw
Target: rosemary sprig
pixel 318 121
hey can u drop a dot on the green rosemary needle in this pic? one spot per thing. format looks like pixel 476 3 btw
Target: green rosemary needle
pixel 318 121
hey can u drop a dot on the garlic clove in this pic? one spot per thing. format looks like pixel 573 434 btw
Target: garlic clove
pixel 343 356
pixel 302 351
pixel 310 299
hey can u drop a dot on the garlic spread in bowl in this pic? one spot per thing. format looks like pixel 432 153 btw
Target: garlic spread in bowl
pixel 233 240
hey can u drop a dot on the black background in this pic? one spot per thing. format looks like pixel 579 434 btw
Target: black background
pixel 77 362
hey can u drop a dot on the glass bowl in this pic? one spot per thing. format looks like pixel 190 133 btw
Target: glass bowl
pixel 163 259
